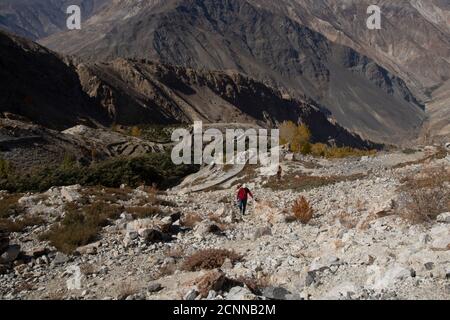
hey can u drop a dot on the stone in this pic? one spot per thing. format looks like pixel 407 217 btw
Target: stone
pixel 211 295
pixel 289 157
pixel 140 224
pixel 323 263
pixel 240 293
pixel 429 266
pixel 213 280
pixel 191 294
pixel 276 293
pixel 167 220
pixel 443 217
pixel 70 193
pixel 205 227
pixel 385 278
pixel 441 237
pixel 227 265
pixel 132 235
pixel 11 254
pixel 306 279
pixel 152 236
pixel 154 287
pixel 90 249
pixel 126 216
pixel 60 258
pixel 38 252
pixel 261 232
pixel 345 290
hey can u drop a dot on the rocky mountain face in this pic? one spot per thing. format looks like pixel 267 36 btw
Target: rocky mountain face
pixel 36 19
pixel 38 85
pixel 413 41
pixel 373 82
pixel 131 92
pixel 263 42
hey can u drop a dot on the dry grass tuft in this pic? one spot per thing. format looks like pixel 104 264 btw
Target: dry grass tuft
pixel 19 225
pixel 144 212
pixel 126 289
pixel 302 210
pixel 9 205
pixel 209 259
pixel 80 226
pixel 301 182
pixel 348 220
pixel 425 195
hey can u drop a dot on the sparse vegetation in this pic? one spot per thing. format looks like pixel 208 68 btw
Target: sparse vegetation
pixel 298 137
pixel 425 195
pixel 150 169
pixel 322 150
pixel 144 211
pixel 9 205
pixel 126 289
pixel 347 220
pixel 135 132
pixel 80 226
pixel 209 259
pixel 302 210
pixel 5 169
pixel 19 225
pixel 302 182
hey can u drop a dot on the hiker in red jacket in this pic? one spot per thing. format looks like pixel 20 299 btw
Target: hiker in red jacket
pixel 242 197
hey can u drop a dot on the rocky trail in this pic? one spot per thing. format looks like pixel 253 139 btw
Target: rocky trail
pixel 357 245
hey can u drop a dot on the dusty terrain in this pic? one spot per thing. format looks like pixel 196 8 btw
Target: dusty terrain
pixel 358 245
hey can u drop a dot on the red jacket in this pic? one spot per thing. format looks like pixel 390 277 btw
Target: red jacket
pixel 243 194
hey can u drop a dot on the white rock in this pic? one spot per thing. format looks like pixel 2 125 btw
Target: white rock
pixel 386 278
pixel 443 217
pixel 240 293
pixel 441 237
pixel 322 263
pixel 70 193
pixel 344 290
pixel 140 224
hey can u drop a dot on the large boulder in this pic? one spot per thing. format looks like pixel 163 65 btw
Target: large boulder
pixel 267 212
pixel 385 278
pixel 211 281
pixel 204 228
pixel 440 236
pixel 443 217
pixel 10 254
pixel 278 293
pixel 240 293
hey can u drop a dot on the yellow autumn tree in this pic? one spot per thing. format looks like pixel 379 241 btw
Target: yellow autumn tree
pixel 136 131
pixel 297 136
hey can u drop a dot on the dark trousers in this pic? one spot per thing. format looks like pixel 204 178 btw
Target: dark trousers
pixel 243 206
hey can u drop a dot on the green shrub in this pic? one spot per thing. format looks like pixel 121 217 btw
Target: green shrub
pixel 150 169
pixel 322 150
pixel 5 169
pixel 21 224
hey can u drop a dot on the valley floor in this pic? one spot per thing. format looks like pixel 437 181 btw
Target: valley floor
pixel 358 244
